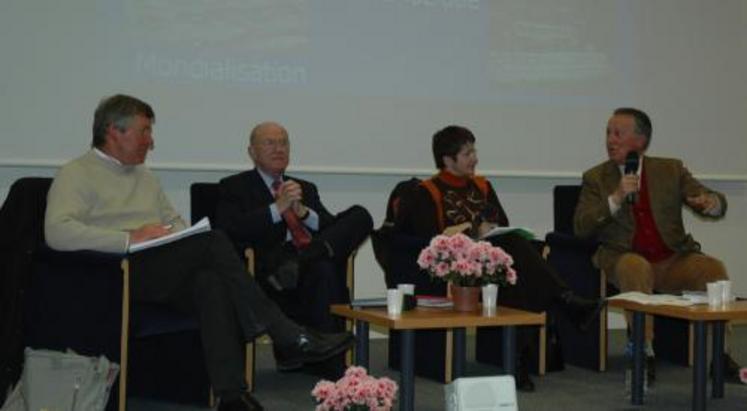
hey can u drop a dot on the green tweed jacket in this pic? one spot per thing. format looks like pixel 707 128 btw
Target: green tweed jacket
pixel 669 184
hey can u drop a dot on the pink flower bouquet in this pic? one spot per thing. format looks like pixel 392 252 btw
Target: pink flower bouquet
pixel 355 391
pixel 465 262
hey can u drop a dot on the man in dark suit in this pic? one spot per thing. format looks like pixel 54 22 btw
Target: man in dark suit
pixel 637 217
pixel 301 247
pixel 107 200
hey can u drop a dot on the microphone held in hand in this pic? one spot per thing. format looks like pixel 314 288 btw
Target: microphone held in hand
pixel 631 167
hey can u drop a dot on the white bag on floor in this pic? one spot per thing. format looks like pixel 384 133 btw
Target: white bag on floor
pixel 496 393
pixel 14 400
pixel 66 381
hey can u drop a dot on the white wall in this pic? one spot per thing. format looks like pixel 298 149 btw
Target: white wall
pixel 534 80
pixel 528 202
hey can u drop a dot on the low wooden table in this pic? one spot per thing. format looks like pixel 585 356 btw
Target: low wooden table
pixel 434 318
pixel 700 315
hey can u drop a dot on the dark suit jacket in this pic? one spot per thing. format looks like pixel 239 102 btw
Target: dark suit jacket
pixel 244 214
pixel 669 184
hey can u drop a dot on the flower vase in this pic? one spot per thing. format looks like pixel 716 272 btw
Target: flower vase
pixel 465 298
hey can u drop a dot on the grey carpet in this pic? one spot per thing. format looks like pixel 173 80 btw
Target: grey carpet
pixel 571 389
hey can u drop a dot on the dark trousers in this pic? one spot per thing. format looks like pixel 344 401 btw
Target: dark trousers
pixel 321 282
pixel 538 285
pixel 203 276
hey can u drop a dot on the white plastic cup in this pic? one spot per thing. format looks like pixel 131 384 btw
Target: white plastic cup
pixel 726 296
pixel 715 293
pixel 393 301
pixel 406 289
pixel 489 295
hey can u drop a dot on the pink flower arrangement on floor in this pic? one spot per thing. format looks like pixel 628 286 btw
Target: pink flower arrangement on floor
pixel 743 375
pixel 355 391
pixel 465 262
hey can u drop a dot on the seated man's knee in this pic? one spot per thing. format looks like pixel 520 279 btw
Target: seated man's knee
pixel 710 269
pixel 358 216
pixel 634 273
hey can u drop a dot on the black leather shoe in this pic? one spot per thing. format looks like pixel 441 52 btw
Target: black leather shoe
pixel 312 347
pixel 582 311
pixel 244 403
pixel 731 370
pixel 523 382
pixel 284 364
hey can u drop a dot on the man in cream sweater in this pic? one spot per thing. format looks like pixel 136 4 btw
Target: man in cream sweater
pixel 107 200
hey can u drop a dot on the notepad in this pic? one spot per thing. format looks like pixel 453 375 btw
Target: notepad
pixel 199 227
pixel 433 301
pixel 369 302
pixel 653 299
pixel 521 231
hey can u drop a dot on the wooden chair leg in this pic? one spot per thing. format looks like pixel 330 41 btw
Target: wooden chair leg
pixel 124 335
pixel 603 339
pixel 603 323
pixel 542 363
pixel 249 366
pixel 350 283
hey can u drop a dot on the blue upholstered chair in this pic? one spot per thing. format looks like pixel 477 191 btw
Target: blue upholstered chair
pixel 571 257
pixel 81 301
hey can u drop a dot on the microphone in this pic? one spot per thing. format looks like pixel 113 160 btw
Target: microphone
pixel 631 167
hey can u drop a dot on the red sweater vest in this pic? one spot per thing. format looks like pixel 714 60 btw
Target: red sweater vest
pixel 646 240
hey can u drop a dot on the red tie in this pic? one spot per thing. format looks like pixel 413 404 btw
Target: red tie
pixel 300 236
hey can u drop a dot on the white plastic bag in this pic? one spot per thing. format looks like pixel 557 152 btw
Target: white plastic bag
pixel 66 381
pixel 14 400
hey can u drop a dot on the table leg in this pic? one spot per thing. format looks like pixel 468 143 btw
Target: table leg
pixel 699 368
pixel 361 343
pixel 460 352
pixel 407 372
pixel 717 358
pixel 509 349
pixel 639 320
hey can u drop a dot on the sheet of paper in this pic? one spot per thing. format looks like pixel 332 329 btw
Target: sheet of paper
pixel 199 227
pixel 433 301
pixel 653 299
pixel 524 232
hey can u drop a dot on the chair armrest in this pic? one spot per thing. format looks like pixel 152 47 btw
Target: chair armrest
pixel 250 263
pixel 85 257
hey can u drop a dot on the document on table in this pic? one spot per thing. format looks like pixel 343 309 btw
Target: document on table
pixel 369 302
pixel 653 299
pixel 199 227
pixel 433 301
pixel 697 297
pixel 523 232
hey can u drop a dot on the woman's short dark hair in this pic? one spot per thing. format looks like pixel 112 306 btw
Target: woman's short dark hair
pixel 118 110
pixel 448 141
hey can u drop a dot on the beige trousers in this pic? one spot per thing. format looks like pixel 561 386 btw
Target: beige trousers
pixel 687 271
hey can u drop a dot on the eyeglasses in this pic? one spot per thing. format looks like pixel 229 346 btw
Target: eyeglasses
pixel 273 143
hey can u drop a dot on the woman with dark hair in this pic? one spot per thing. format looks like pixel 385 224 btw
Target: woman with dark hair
pixel 457 200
